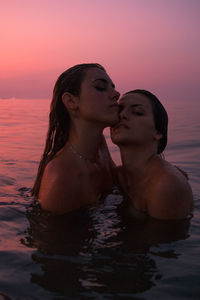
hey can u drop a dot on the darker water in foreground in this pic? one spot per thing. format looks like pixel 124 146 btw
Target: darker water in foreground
pixel 98 252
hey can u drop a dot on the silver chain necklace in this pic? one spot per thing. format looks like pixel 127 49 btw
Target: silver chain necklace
pixel 81 156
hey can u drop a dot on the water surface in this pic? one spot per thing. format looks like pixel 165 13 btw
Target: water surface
pixel 98 252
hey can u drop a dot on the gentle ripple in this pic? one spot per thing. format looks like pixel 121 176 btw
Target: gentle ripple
pixel 97 252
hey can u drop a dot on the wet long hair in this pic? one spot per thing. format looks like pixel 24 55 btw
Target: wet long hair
pixel 159 114
pixel 59 119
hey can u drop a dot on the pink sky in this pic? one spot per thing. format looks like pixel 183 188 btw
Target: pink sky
pixel 151 44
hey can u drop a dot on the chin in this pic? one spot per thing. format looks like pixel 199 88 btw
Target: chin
pixel 116 139
pixel 120 138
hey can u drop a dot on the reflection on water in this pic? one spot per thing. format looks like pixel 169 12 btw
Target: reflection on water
pixel 99 251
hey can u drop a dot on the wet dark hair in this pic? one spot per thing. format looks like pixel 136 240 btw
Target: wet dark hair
pixel 59 119
pixel 160 117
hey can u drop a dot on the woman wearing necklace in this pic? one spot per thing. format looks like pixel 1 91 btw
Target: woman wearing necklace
pixel 76 167
pixel 152 185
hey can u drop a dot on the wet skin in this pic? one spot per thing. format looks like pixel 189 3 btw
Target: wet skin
pixel 70 182
pixel 154 187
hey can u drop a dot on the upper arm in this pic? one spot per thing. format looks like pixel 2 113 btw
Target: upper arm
pixel 170 199
pixel 107 159
pixel 105 151
pixel 121 180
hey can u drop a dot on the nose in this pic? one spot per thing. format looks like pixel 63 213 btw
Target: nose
pixel 115 95
pixel 123 114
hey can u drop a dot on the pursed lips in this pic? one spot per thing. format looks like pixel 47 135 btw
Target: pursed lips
pixel 120 124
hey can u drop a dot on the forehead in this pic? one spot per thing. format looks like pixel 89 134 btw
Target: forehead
pixel 135 99
pixel 93 74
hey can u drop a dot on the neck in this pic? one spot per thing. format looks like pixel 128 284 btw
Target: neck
pixel 85 140
pixel 135 160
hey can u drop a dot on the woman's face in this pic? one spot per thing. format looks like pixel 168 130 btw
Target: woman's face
pixel 98 98
pixel 136 124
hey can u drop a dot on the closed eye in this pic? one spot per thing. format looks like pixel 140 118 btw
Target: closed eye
pixel 138 113
pixel 100 88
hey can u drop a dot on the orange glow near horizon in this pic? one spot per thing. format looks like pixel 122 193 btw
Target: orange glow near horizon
pixel 152 45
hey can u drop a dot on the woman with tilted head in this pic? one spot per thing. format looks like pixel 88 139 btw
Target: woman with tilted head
pixel 153 186
pixel 76 168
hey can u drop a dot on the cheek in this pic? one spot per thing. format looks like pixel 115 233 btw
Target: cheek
pixel 96 100
pixel 142 127
pixel 89 103
pixel 148 123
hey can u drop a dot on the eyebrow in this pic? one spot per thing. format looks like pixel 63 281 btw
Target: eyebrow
pixel 104 81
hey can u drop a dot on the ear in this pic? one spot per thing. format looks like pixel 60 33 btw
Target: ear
pixel 70 101
pixel 157 135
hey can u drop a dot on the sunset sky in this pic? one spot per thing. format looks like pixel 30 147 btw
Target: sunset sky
pixel 151 44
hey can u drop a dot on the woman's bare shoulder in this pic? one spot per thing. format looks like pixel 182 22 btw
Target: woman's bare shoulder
pixel 57 166
pixel 171 195
pixel 58 187
pixel 169 175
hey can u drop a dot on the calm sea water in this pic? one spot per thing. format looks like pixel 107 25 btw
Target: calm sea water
pixel 98 253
